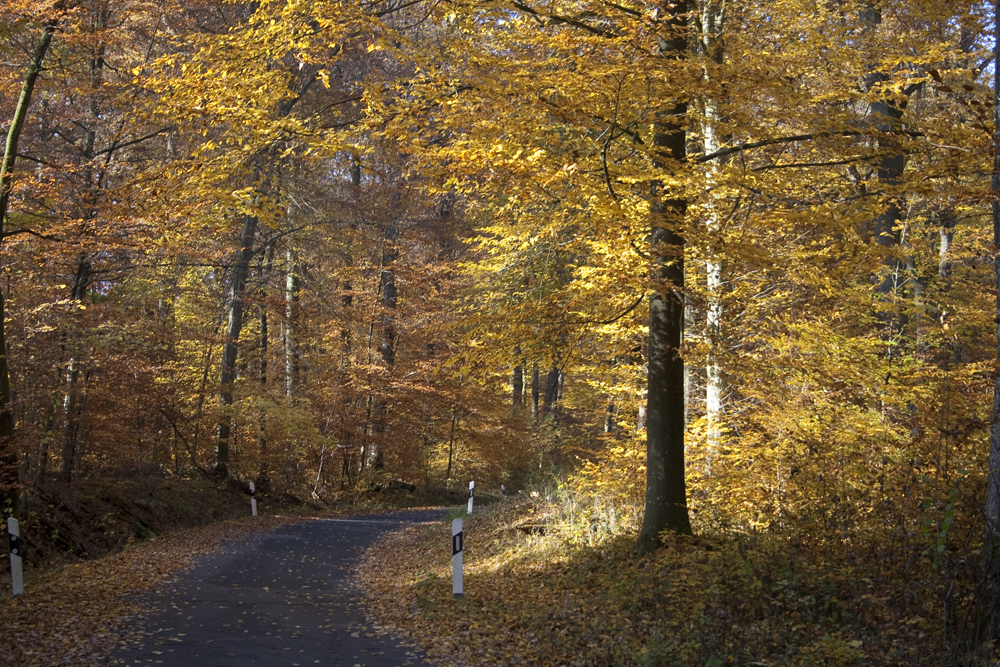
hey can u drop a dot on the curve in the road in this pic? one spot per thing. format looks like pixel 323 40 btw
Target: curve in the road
pixel 280 599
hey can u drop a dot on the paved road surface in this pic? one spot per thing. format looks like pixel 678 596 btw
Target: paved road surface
pixel 279 599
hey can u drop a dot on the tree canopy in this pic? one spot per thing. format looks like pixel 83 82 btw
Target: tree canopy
pixel 726 264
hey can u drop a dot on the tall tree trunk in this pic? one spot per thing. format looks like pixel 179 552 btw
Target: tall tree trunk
pixel 990 604
pixel 712 17
pixel 387 348
pixel 231 347
pixel 8 453
pixel 887 114
pixel 517 382
pixel 263 474
pixel 345 332
pixel 666 494
pixel 451 441
pixel 71 410
pixel 534 393
pixel 292 286
pixel 947 233
pixel 551 391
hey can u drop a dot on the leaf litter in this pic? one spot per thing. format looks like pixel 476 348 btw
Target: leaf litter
pixel 76 615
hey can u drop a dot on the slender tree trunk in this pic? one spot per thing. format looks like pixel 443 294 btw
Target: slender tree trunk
pixel 451 441
pixel 517 382
pixel 534 393
pixel 263 474
pixel 8 453
pixel 71 410
pixel 947 233
pixel 387 348
pixel 345 332
pixel 990 604
pixel 666 494
pixel 551 391
pixel 292 286
pixel 230 349
pixel 888 119
pixel 712 17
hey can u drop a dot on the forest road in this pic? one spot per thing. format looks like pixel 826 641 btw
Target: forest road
pixel 280 599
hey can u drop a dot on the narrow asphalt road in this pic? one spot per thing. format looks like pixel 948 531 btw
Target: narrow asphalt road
pixel 278 599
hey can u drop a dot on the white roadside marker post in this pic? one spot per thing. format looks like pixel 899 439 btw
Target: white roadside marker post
pixel 472 490
pixel 16 576
pixel 456 558
pixel 253 501
pixel 503 492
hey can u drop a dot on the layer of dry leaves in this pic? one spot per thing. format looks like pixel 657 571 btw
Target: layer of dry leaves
pixel 75 616
pixel 407 580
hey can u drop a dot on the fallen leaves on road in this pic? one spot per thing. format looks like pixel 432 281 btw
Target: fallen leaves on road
pixel 74 616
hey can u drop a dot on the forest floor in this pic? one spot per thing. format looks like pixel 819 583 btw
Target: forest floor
pixel 540 591
pixel 95 546
pixel 76 614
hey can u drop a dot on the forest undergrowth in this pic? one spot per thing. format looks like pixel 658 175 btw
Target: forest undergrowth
pixel 545 585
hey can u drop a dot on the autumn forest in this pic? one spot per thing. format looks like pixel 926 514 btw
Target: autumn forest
pixel 714 268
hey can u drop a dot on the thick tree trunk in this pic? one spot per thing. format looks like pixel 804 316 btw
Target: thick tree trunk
pixel 230 349
pixel 8 453
pixel 666 494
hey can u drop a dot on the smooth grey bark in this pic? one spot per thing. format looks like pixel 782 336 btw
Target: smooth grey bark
pixel 8 454
pixel 231 346
pixel 712 17
pixel 666 493
pixel 292 287
pixel 947 234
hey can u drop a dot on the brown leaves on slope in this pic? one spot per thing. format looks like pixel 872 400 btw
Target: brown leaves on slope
pixel 74 616
pixel 537 597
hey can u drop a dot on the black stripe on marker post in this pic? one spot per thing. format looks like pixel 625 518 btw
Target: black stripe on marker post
pixel 456 544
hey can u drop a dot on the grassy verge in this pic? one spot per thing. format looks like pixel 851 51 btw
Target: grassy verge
pixel 537 595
